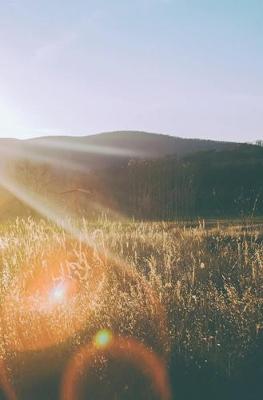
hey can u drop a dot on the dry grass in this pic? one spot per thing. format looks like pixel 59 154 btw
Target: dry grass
pixel 193 294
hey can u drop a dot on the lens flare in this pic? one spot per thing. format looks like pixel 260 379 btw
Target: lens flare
pixel 45 308
pixel 58 293
pixel 126 350
pixel 51 299
pixel 102 338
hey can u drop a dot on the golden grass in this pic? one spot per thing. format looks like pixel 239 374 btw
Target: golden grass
pixel 194 291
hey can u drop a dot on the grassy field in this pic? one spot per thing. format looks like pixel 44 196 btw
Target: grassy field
pixel 193 295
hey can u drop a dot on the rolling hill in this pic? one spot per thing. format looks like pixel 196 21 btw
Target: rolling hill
pixel 105 149
pixel 137 174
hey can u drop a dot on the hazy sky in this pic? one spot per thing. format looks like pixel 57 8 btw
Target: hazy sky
pixel 191 68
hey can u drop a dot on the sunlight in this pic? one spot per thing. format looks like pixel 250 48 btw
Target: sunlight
pixel 7 118
pixel 83 147
pixel 51 300
pixel 34 201
pixel 12 121
pixel 58 293
pixel 55 215
pixel 31 154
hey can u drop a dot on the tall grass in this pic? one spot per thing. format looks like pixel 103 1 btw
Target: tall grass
pixel 195 294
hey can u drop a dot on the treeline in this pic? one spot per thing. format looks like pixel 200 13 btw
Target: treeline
pixel 207 184
pixel 212 184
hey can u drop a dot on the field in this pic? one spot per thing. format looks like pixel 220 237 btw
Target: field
pixel 191 296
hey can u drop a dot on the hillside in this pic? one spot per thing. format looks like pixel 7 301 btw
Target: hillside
pixel 151 145
pixel 105 149
pixel 137 174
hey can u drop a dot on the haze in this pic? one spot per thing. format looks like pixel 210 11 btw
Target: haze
pixel 187 68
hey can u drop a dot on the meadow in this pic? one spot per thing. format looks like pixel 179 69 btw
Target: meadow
pixel 192 295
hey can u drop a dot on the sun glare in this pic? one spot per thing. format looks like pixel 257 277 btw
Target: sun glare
pixel 58 293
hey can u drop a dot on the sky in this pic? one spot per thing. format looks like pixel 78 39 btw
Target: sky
pixel 189 68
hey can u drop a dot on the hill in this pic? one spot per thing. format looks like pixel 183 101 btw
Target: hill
pixel 105 149
pixel 135 174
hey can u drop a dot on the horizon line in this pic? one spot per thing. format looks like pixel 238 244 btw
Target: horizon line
pixel 68 135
